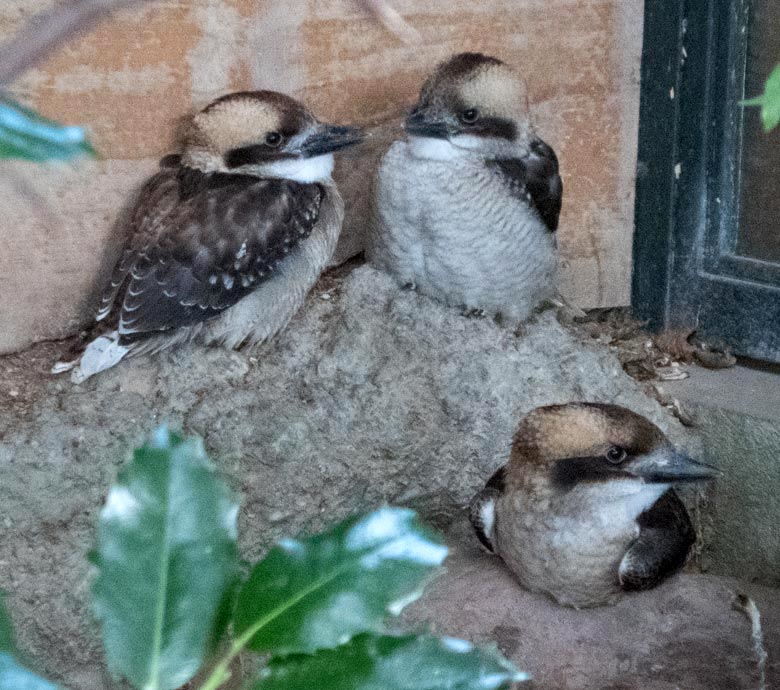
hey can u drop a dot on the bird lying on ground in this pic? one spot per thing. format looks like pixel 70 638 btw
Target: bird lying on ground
pixel 585 510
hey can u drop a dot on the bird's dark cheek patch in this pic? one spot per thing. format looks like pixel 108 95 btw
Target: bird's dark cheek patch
pixel 253 155
pixel 497 127
pixel 569 472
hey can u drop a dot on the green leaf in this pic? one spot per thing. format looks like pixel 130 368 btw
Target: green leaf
pixel 318 592
pixel 167 563
pixel 769 101
pixel 13 676
pixel 27 135
pixel 6 629
pixel 16 677
pixel 371 662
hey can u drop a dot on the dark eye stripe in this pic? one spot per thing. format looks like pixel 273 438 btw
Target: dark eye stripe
pixel 498 127
pixel 569 472
pixel 252 155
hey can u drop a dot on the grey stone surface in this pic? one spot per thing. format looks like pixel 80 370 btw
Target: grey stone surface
pixel 372 394
pixel 737 412
pixel 751 391
pixel 683 635
pixel 742 514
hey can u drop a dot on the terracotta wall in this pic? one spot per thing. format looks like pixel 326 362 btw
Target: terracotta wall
pixel 135 75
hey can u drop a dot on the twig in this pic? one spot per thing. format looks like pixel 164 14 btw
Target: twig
pixel 393 21
pixel 48 30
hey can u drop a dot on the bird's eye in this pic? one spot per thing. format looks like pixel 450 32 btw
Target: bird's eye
pixel 469 116
pixel 616 454
pixel 273 139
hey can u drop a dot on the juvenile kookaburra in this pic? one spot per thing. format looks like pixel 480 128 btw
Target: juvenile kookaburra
pixel 584 509
pixel 466 208
pixel 227 238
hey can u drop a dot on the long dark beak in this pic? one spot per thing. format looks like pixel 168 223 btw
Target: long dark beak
pixel 329 138
pixel 671 466
pixel 425 123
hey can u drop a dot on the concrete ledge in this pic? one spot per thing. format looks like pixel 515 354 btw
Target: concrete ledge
pixel 737 412
pixel 752 389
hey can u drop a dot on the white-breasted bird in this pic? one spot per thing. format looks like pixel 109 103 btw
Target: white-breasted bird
pixel 226 240
pixel 466 208
pixel 584 509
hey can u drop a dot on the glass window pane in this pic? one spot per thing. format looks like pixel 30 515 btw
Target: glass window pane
pixel 759 234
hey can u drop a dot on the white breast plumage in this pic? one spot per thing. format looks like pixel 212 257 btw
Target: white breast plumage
pixel 452 228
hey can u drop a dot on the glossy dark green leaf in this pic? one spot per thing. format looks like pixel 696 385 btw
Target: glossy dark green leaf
pixel 371 662
pixel 166 563
pixel 14 676
pixel 6 629
pixel 25 134
pixel 317 592
pixel 769 101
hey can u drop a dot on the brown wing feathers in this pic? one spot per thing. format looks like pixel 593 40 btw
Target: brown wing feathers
pixel 200 242
pixel 535 179
pixel 157 198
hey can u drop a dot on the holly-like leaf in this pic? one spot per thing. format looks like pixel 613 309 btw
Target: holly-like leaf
pixel 166 561
pixel 6 629
pixel 371 662
pixel 318 592
pixel 27 135
pixel 769 101
pixel 14 676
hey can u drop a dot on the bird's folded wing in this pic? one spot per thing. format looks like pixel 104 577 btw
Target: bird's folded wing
pixel 482 510
pixel 202 242
pixel 154 204
pixel 535 179
pixel 665 539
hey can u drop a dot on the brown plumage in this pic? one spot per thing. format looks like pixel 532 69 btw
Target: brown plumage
pixel 584 508
pixel 201 242
pixel 227 238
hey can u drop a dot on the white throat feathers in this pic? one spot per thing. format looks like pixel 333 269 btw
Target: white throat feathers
pixel 434 149
pixel 304 170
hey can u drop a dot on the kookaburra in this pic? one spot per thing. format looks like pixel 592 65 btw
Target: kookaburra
pixel 466 207
pixel 225 241
pixel 584 509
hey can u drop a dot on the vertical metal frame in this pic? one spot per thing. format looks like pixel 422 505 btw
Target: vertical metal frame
pixel 686 270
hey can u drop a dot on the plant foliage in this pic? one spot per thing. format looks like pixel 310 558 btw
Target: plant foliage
pixel 27 135
pixel 769 101
pixel 13 675
pixel 312 593
pixel 166 561
pixel 166 591
pixel 371 662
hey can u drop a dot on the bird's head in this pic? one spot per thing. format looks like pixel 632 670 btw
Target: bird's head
pixel 602 448
pixel 474 105
pixel 266 134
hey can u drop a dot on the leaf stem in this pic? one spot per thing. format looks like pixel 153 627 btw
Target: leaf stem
pixel 221 673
